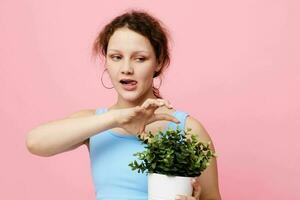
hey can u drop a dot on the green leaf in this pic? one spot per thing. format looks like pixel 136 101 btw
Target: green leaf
pixel 172 153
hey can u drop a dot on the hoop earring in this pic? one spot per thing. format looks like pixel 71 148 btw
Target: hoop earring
pixel 102 80
pixel 160 82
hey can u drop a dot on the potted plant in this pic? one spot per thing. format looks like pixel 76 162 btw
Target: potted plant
pixel 171 160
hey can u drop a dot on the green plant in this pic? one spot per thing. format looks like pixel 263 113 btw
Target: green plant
pixel 174 154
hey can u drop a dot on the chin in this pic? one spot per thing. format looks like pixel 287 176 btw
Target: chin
pixel 128 95
pixel 131 96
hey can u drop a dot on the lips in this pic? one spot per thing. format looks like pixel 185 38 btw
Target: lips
pixel 128 81
pixel 128 84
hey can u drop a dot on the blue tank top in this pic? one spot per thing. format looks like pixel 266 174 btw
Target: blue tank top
pixel 110 154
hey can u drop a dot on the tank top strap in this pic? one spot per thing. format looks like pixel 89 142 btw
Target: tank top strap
pixel 181 116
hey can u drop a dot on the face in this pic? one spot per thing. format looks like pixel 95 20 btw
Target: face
pixel 130 55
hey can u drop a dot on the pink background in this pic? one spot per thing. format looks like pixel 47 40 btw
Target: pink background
pixel 235 67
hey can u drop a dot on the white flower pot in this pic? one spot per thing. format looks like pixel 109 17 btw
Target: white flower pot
pixel 162 187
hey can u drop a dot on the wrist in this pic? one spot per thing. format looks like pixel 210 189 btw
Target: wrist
pixel 114 118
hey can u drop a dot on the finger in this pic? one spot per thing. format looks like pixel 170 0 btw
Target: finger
pixel 143 135
pixel 145 104
pixel 139 109
pixel 149 102
pixel 156 103
pixel 167 117
pixel 166 102
pixel 196 187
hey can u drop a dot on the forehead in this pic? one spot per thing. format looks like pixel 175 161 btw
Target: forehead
pixel 126 40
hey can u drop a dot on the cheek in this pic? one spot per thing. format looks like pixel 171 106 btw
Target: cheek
pixel 146 75
pixel 146 71
pixel 111 74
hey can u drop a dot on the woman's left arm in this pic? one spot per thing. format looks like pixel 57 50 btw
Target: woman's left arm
pixel 208 180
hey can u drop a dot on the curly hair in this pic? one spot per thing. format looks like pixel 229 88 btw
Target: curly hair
pixel 144 24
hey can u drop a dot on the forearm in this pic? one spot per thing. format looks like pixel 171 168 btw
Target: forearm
pixel 57 136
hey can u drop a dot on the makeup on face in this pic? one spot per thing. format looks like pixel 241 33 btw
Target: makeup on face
pixel 129 51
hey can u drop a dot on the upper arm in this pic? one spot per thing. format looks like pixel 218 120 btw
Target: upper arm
pixel 81 113
pixel 209 177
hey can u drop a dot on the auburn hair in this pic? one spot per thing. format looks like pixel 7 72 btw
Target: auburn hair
pixel 145 24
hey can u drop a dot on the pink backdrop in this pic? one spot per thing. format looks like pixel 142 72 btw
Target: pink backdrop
pixel 234 67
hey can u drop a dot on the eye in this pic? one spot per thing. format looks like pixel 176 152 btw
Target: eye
pixel 115 57
pixel 141 59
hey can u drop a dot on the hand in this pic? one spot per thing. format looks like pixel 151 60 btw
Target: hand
pixel 196 191
pixel 135 119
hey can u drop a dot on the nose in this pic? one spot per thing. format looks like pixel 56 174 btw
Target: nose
pixel 126 68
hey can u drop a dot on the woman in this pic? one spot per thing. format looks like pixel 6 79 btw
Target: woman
pixel 135 48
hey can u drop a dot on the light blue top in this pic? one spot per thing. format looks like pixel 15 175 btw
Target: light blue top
pixel 110 154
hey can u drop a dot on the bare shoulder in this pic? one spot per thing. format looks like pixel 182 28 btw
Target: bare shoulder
pixel 209 178
pixel 197 128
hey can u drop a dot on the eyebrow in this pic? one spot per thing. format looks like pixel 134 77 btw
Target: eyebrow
pixel 133 52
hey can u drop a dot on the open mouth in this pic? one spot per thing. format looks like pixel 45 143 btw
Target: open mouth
pixel 128 84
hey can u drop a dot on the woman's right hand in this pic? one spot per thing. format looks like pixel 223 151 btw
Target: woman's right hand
pixel 135 119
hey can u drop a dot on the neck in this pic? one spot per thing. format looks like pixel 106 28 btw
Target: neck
pixel 122 103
